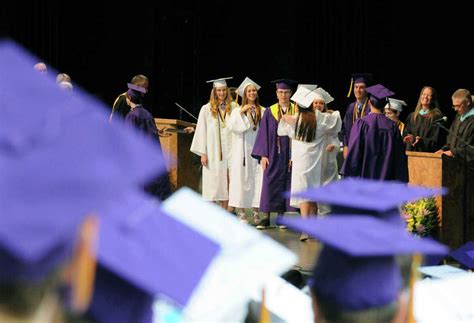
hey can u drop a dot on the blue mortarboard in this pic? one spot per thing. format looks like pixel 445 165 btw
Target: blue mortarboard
pixel 154 252
pixel 366 196
pixel 284 84
pixel 356 268
pixel 61 160
pixel 464 255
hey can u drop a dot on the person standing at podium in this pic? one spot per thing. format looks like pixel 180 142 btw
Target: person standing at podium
pixel 421 135
pixel 462 127
pixel 143 120
pixel 212 142
pixel 246 178
pixel 120 106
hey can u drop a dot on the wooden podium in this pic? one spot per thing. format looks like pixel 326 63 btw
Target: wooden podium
pixel 433 170
pixel 180 161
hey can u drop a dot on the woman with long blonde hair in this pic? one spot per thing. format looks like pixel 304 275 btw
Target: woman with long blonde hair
pixel 212 142
pixel 421 135
pixel 246 176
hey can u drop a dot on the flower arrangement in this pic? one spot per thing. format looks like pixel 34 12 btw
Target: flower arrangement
pixel 422 217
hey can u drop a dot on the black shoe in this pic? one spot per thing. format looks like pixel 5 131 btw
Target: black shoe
pixel 264 224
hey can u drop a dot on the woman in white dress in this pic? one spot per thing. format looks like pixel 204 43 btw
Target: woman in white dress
pixel 246 176
pixel 329 170
pixel 307 129
pixel 212 141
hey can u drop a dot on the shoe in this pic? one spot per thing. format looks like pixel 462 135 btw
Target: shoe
pixel 256 218
pixel 264 224
pixel 243 217
pixel 304 237
pixel 283 227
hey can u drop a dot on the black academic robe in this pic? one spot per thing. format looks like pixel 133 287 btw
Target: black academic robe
pixel 143 120
pixel 431 137
pixel 465 131
pixel 120 107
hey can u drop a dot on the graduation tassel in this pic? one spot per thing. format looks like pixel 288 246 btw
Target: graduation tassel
pixel 243 149
pixel 264 314
pixel 82 270
pixel 350 87
pixel 415 264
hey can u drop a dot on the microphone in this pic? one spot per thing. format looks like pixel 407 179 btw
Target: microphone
pixel 443 119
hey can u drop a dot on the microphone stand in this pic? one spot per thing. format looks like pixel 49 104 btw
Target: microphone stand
pixel 183 109
pixel 464 145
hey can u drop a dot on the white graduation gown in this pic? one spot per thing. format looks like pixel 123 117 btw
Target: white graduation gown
pixel 245 181
pixel 206 142
pixel 307 156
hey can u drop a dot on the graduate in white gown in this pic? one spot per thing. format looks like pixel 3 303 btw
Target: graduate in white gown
pixel 246 176
pixel 307 129
pixel 329 170
pixel 212 141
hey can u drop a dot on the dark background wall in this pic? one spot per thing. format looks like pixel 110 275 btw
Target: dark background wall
pixel 180 45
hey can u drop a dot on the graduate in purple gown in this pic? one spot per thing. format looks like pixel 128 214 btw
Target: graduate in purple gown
pixel 376 148
pixel 273 152
pixel 357 109
pixel 143 120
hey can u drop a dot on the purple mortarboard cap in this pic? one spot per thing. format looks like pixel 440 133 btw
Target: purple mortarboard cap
pixel 379 95
pixel 379 91
pixel 464 255
pixel 366 196
pixel 356 268
pixel 284 84
pixel 365 78
pixel 153 251
pixel 136 88
pixel 60 160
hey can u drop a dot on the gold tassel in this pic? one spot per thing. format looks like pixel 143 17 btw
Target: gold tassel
pixel 264 314
pixel 83 269
pixel 350 87
pixel 414 275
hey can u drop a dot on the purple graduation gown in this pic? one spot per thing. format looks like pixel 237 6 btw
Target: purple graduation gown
pixel 376 150
pixel 347 122
pixel 143 120
pixel 277 176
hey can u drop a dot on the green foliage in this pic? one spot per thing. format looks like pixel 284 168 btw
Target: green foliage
pixel 422 217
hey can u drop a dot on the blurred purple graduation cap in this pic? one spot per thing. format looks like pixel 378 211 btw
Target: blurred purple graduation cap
pixel 356 268
pixel 117 300
pixel 464 255
pixel 136 88
pixel 143 251
pixel 366 196
pixel 60 160
pixel 284 84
